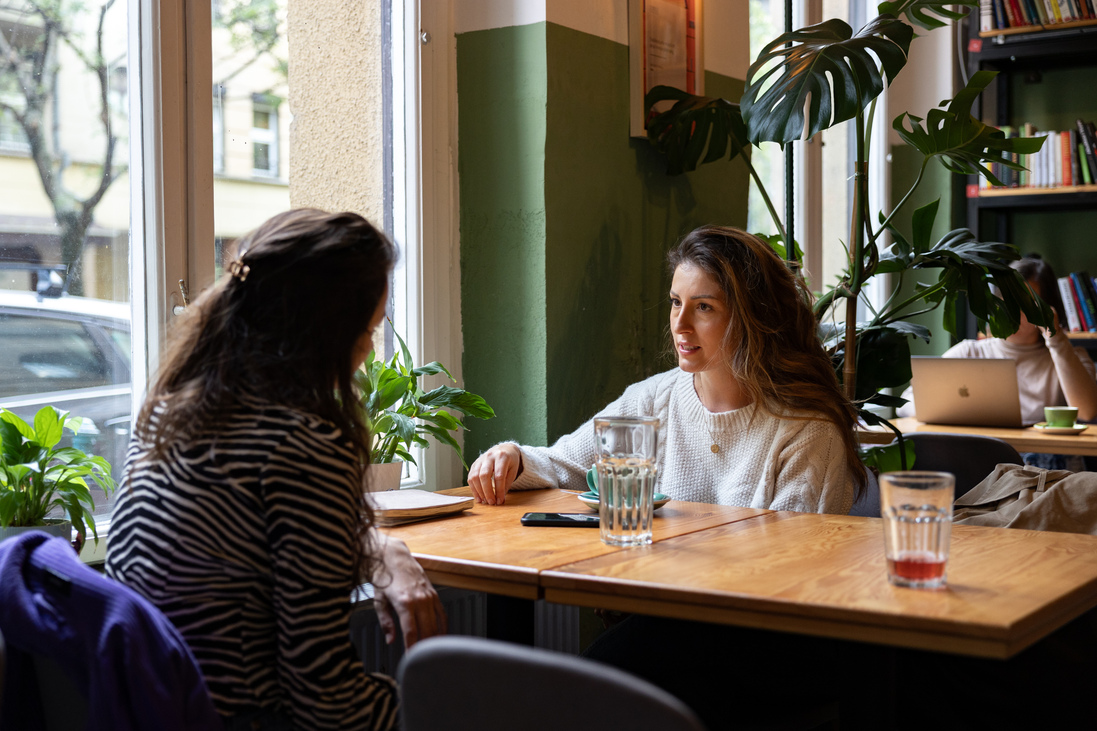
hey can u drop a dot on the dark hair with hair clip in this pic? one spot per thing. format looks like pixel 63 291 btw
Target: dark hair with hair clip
pixel 771 345
pixel 282 323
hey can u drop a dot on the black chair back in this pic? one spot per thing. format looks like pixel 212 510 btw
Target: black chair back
pixel 969 457
pixel 473 684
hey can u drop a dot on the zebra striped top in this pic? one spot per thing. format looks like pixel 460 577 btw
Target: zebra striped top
pixel 243 538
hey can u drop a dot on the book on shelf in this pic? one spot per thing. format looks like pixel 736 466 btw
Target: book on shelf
pixel 999 15
pixel 1089 313
pixel 395 507
pixel 1067 158
pixel 1074 324
pixel 1084 136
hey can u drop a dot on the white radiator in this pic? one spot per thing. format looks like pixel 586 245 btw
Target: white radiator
pixel 556 627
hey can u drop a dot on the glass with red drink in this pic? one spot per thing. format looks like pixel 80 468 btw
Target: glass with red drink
pixel 917 512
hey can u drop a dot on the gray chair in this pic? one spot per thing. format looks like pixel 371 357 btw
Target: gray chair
pixel 473 684
pixel 970 458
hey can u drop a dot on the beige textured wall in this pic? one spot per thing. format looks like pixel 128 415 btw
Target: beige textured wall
pixel 335 85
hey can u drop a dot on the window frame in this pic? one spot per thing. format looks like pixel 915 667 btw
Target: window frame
pixel 426 287
pixel 174 209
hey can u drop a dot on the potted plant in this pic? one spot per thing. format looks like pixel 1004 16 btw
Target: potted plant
pixel 400 413
pixel 842 73
pixel 36 476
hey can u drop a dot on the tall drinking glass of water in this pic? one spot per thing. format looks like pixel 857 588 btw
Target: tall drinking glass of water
pixel 626 477
pixel 917 512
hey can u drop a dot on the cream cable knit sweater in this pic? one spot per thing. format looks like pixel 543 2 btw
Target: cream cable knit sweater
pixel 763 462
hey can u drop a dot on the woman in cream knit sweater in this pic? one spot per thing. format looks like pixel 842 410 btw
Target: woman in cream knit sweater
pixel 752 415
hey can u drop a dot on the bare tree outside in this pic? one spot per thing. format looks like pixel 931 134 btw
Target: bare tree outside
pixel 31 39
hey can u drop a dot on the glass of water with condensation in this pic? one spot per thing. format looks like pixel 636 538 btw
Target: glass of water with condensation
pixel 626 447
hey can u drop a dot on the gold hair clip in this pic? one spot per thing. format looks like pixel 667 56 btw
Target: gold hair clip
pixel 240 270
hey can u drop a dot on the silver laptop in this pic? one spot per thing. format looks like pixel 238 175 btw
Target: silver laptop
pixel 968 391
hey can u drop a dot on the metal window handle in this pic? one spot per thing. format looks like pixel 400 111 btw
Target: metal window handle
pixel 185 293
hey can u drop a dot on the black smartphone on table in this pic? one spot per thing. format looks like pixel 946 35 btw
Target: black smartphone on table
pixel 567 520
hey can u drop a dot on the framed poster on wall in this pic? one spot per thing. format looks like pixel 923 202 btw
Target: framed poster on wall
pixel 665 49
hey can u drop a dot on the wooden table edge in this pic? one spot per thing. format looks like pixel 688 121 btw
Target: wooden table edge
pixel 1023 439
pixel 991 641
pixel 488 586
pixel 960 644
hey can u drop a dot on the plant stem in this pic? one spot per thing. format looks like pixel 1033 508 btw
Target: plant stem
pixel 790 247
pixel 894 312
pixel 856 261
pixel 917 182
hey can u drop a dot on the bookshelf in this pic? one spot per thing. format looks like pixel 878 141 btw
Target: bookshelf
pixel 1046 78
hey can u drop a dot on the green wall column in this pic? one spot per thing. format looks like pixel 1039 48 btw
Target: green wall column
pixel 587 314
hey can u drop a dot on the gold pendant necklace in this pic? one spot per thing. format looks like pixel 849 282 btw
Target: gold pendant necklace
pixel 715 447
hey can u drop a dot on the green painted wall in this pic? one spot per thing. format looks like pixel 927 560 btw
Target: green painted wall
pixel 502 96
pixel 937 183
pixel 549 353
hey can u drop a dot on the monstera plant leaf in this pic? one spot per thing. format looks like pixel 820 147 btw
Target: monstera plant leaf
pixel 696 130
pixel 961 142
pixel 919 11
pixel 837 70
pixel 969 268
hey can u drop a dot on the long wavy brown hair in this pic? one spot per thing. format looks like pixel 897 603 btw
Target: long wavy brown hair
pixel 281 324
pixel 771 345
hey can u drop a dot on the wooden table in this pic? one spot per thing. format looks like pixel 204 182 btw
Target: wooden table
pixel 825 575
pixel 487 549
pixel 1025 439
pixel 822 575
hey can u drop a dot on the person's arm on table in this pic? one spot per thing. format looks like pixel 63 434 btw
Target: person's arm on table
pixel 1077 380
pixel 400 584
pixel 509 466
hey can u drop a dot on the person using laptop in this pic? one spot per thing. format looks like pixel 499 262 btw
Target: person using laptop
pixel 1050 371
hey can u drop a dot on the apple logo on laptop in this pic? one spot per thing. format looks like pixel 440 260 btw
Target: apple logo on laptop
pixel 964 392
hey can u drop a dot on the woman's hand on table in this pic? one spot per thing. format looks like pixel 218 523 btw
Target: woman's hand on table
pixel 400 584
pixel 493 472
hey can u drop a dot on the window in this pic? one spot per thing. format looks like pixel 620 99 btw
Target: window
pixel 65 284
pixel 422 198
pixel 264 137
pixel 823 174
pixel 218 128
pixel 12 137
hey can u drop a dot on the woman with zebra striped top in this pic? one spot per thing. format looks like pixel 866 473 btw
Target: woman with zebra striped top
pixel 241 513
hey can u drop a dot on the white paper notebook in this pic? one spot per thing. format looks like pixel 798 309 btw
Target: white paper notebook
pixel 394 507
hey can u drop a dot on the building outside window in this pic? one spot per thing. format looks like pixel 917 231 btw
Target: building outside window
pixel 264 136
pixel 12 137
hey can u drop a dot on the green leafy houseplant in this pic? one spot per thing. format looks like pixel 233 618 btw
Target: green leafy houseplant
pixel 824 75
pixel 36 476
pixel 400 413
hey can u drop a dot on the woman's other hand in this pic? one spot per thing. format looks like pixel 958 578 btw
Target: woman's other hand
pixel 493 472
pixel 400 584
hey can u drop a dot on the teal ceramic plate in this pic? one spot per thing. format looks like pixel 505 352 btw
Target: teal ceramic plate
pixel 591 499
pixel 1076 429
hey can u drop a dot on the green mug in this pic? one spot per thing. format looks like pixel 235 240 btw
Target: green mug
pixel 1060 416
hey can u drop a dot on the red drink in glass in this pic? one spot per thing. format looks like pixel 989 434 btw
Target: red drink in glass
pixel 915 567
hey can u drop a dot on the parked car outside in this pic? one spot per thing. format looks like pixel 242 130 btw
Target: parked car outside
pixel 72 353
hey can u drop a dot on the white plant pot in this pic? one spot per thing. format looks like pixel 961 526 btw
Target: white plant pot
pixel 61 529
pixel 382 477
